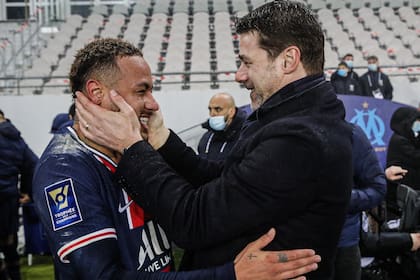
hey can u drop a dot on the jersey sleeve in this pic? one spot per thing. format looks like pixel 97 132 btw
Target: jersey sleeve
pixel 68 200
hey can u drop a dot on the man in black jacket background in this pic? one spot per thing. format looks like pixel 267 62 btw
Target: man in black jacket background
pixel 224 126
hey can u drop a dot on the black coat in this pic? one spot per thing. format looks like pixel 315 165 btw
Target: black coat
pixel 216 145
pixel 291 169
pixel 376 80
pixel 404 151
pixel 16 158
pixel 346 85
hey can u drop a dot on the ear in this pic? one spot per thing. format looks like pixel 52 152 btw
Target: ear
pixel 94 91
pixel 291 59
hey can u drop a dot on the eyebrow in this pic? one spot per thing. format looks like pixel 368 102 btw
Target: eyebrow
pixel 243 57
pixel 144 84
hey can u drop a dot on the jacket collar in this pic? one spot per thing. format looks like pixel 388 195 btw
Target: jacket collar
pixel 288 93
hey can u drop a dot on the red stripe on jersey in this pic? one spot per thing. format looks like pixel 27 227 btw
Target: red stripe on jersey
pixel 137 215
pixel 108 164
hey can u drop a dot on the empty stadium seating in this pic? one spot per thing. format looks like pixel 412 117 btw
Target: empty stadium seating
pixel 193 43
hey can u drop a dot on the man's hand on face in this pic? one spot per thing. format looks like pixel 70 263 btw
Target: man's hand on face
pixel 115 130
pixel 153 130
pixel 252 263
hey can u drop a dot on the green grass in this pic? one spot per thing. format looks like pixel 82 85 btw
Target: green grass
pixel 42 266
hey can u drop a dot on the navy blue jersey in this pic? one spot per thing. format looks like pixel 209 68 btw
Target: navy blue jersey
pixel 81 208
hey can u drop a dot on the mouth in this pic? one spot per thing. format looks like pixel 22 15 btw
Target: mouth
pixel 144 119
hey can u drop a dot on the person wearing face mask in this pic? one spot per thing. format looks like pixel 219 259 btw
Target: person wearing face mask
pixel 403 157
pixel 374 82
pixel 348 59
pixel 223 127
pixel 344 83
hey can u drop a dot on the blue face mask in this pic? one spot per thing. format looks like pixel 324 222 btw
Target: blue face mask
pixel 342 72
pixel 373 67
pixel 416 127
pixel 217 123
pixel 349 63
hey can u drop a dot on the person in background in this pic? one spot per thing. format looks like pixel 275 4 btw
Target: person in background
pixel 291 167
pixel 224 126
pixel 374 82
pixel 95 230
pixel 62 120
pixel 348 59
pixel 16 159
pixel 369 187
pixel 403 157
pixel 344 83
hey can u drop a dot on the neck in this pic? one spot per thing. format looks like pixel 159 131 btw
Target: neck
pixel 115 156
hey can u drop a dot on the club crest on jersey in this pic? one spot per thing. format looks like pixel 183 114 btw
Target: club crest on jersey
pixel 62 204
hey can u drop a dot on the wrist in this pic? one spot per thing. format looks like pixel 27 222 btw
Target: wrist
pixel 127 144
pixel 159 138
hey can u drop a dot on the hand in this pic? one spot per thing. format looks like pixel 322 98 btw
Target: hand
pixel 415 238
pixel 154 130
pixel 252 263
pixel 394 173
pixel 115 130
pixel 24 198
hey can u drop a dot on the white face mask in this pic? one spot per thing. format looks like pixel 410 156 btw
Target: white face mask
pixel 373 67
pixel 217 123
pixel 416 127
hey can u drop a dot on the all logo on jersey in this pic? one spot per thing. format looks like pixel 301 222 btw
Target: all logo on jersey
pixel 62 204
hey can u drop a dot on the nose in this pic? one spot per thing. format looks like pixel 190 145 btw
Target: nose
pixel 150 102
pixel 241 76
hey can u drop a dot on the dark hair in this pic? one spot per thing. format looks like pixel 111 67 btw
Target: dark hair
pixel 348 54
pixel 72 110
pixel 98 60
pixel 281 24
pixel 342 63
pixel 372 57
pixel 1 113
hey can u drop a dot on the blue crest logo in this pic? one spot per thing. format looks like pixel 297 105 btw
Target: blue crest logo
pixel 372 125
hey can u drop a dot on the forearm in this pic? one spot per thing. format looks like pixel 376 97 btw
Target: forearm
pixel 186 163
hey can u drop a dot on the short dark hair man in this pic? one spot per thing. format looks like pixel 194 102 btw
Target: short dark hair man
pixel 291 167
pixel 224 126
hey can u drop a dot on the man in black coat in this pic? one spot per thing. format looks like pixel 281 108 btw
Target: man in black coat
pixel 344 82
pixel 374 82
pixel 403 153
pixel 17 160
pixel 291 167
pixel 224 126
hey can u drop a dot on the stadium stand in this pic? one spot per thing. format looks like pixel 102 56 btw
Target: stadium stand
pixel 192 44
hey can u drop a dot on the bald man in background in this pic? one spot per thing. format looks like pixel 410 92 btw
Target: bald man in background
pixel 223 127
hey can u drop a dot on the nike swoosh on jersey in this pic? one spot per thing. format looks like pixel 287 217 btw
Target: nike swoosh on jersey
pixel 124 208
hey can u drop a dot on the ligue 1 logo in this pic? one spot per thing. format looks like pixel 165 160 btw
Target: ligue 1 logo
pixel 371 123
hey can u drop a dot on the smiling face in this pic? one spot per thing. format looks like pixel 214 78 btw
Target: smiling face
pixel 257 72
pixel 134 84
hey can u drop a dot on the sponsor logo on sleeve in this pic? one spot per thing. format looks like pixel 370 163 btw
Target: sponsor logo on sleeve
pixel 62 204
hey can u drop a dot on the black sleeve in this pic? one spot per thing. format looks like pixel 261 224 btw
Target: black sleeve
pixel 388 88
pixel 29 162
pixel 192 167
pixel 365 86
pixel 192 216
pixel 100 260
pixel 386 244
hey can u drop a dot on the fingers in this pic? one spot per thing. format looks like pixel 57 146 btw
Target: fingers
pixel 290 255
pixel 263 240
pixel 258 244
pixel 120 102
